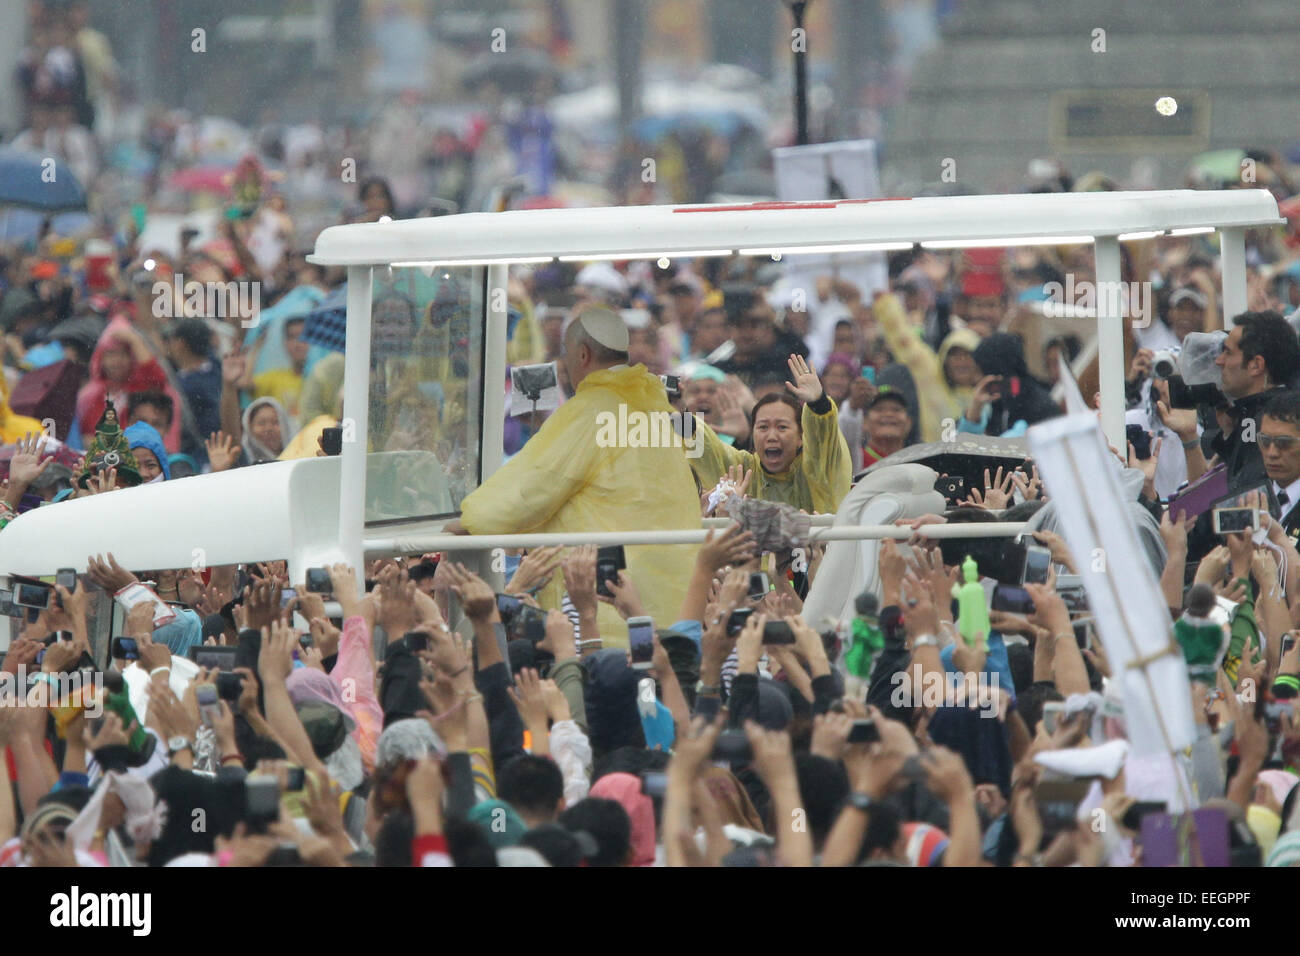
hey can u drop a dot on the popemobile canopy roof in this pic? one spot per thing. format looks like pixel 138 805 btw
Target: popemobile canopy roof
pixel 644 231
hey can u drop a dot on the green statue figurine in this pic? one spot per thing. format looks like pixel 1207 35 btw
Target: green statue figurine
pixel 972 608
pixel 868 638
pixel 109 448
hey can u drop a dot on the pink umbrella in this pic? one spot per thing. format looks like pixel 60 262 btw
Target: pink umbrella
pixel 199 179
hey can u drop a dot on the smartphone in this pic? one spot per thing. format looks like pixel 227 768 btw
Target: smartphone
pixel 287 595
pixel 640 641
pixel 318 581
pixel 230 686
pixel 1083 633
pixel 1288 642
pixel 1140 439
pixel 530 624
pixel 297 779
pixel 1228 520
pixel 1002 559
pixel 732 746
pixel 869 373
pixel 777 632
pixel 36 596
pixel 1058 803
pixel 609 561
pixel 1012 600
pixel 7 606
pixel 759 585
pixel 997 387
pixel 66 578
pixel 213 655
pixel 305 640
pixel 261 801
pixel 1052 710
pixel 331 441
pixel 1075 598
pixel 672 385
pixel 416 641
pixel 508 606
pixel 125 649
pixel 654 783
pixel 1038 564
pixel 739 617
pixel 1132 818
pixel 864 732
pixel 952 487
pixel 208 700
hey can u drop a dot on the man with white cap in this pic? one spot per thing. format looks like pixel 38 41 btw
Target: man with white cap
pixel 571 478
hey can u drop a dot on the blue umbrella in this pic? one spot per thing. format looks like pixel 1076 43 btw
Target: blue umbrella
pixel 23 182
pixel 326 324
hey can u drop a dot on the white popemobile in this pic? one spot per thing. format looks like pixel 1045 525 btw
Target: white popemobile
pixel 427 326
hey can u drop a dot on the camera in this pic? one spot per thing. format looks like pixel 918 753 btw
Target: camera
pixel 1140 439
pixel 863 732
pixel 739 617
pixel 952 487
pixel 532 380
pixel 777 632
pixel 318 581
pixel 672 385
pixel 1164 364
pixel 331 441
pixel 230 686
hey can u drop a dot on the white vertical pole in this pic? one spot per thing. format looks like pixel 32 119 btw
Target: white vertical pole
pixel 1110 341
pixel 1232 265
pixel 356 417
pixel 494 370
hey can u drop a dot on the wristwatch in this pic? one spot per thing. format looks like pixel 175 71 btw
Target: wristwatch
pixel 707 690
pixel 861 801
pixel 178 743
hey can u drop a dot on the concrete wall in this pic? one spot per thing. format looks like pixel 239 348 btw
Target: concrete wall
pixel 984 98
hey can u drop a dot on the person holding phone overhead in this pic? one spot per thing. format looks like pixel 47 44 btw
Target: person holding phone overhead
pixel 1007 399
pixel 567 479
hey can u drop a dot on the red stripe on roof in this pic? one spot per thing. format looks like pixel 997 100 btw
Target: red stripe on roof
pixel 771 206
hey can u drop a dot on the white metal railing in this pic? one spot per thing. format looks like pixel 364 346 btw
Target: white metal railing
pixel 454 542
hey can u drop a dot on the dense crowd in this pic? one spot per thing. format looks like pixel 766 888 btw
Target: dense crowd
pixel 648 705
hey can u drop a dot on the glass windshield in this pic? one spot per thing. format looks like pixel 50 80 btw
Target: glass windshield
pixel 426 366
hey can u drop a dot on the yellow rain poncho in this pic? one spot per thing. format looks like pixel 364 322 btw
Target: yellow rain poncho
pixel 13 427
pixel 579 474
pixel 817 479
pixel 937 400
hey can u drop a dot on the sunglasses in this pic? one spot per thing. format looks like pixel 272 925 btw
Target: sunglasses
pixel 1283 442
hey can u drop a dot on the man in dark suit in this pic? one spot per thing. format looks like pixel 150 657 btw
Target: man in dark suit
pixel 1279 444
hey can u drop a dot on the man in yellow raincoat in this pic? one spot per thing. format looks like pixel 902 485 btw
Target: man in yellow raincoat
pixel 804 459
pixel 601 462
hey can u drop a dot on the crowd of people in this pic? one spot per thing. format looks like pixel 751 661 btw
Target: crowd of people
pixel 531 732
pixel 417 716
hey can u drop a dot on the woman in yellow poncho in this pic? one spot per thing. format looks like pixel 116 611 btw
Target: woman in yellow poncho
pixel 800 457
